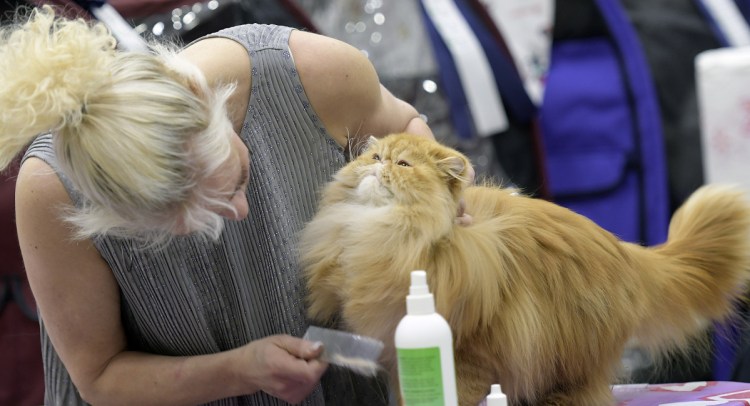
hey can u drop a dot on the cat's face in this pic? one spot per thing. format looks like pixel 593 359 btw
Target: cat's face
pixel 405 169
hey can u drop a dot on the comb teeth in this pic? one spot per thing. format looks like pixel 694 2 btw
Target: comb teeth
pixel 355 352
pixel 361 366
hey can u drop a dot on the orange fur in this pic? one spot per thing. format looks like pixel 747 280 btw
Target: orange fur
pixel 540 299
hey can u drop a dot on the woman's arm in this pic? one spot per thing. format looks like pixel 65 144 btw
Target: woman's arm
pixel 345 91
pixel 78 299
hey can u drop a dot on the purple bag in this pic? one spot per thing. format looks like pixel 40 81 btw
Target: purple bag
pixel 602 133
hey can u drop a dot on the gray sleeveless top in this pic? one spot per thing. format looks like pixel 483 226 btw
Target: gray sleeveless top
pixel 198 298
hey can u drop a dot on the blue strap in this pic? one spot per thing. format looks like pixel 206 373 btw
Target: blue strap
pixel 459 107
pixel 512 88
pixel 712 23
pixel 655 200
pixel 89 5
pixel 744 7
pixel 508 81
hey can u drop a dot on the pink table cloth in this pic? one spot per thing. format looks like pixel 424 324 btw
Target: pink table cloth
pixel 683 394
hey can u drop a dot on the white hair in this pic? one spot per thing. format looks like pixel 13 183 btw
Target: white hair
pixel 136 133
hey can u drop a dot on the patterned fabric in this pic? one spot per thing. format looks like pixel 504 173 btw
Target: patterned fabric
pixel 687 394
pixel 197 298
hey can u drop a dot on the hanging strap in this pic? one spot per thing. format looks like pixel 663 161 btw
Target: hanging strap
pixel 472 68
pixel 507 78
pixel 526 26
pixel 127 38
pixel 502 70
pixel 744 7
pixel 727 20
pixel 509 82
pixel 648 120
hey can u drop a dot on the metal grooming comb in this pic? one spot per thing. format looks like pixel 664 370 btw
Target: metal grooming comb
pixel 355 352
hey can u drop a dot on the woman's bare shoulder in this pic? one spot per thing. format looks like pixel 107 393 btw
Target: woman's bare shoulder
pixel 39 184
pixel 339 80
pixel 41 201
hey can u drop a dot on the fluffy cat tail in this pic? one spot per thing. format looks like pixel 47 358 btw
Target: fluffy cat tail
pixel 700 273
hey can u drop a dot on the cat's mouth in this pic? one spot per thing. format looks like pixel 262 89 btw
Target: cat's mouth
pixel 372 190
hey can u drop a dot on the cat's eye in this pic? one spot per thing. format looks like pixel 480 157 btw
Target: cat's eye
pixel 376 157
pixel 401 162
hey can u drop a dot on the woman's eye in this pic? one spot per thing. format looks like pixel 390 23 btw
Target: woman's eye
pixel 376 157
pixel 402 163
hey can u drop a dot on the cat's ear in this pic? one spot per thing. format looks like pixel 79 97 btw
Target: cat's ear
pixel 453 166
pixel 366 143
pixel 458 168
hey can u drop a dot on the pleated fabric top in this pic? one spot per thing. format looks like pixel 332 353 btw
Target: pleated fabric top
pixel 194 297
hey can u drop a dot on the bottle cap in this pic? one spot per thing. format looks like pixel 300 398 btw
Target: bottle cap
pixel 419 283
pixel 420 301
pixel 496 396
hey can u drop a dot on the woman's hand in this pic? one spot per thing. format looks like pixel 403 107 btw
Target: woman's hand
pixel 285 367
pixel 462 217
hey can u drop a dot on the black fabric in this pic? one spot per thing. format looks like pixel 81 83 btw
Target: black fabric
pixel 15 291
pixel 7 9
pixel 672 33
pixel 741 367
pixel 577 19
pixel 518 153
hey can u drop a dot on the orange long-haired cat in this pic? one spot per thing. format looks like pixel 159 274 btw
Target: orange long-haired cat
pixel 540 299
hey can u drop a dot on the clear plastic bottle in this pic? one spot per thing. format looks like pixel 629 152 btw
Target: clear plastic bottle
pixel 424 347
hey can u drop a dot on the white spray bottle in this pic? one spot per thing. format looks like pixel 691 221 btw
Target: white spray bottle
pixel 424 347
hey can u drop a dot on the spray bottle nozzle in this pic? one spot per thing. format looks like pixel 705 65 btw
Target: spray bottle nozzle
pixel 419 283
pixel 496 396
pixel 419 301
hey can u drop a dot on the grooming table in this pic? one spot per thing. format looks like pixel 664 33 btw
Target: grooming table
pixel 683 394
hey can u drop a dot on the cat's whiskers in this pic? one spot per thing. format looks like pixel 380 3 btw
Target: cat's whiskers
pixel 355 144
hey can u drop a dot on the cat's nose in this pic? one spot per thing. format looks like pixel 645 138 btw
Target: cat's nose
pixel 375 170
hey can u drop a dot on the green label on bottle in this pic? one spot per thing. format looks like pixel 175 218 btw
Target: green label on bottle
pixel 421 376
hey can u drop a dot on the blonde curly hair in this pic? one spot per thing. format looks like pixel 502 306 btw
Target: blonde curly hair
pixel 136 133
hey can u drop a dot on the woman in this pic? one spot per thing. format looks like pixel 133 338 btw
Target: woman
pixel 146 294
